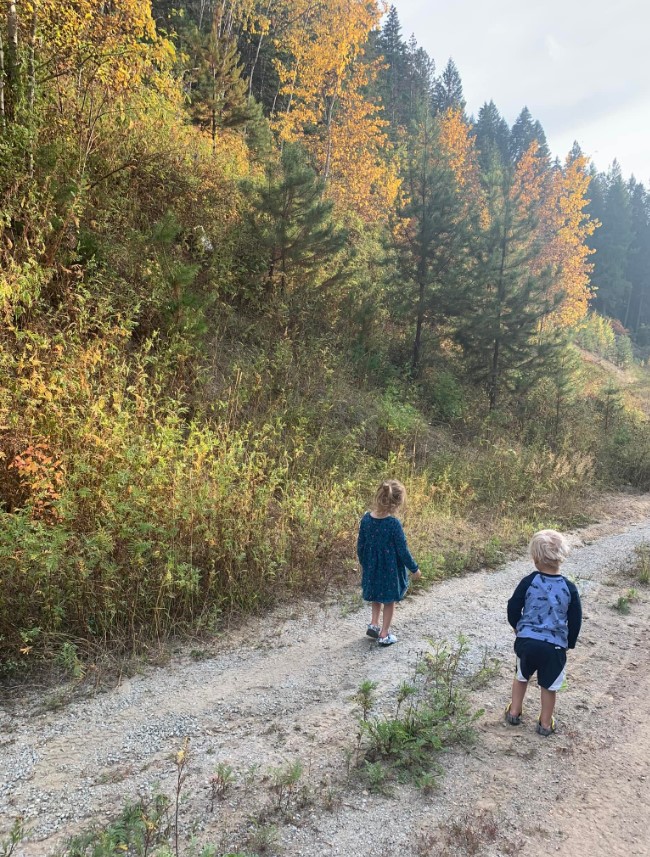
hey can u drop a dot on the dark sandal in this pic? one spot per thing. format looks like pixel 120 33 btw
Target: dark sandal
pixel 512 719
pixel 542 730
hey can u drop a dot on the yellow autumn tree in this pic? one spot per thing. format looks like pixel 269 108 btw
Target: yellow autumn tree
pixel 557 196
pixel 113 44
pixel 566 226
pixel 323 75
pixel 458 144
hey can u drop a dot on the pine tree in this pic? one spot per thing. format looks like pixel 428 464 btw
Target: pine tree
pixel 612 243
pixel 293 231
pixel 432 233
pixel 392 78
pixel 638 262
pixel 499 310
pixel 218 93
pixel 448 90
pixel 492 138
pixel 523 133
pixel 418 90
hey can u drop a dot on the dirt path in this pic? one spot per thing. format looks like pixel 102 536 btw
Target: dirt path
pixel 283 692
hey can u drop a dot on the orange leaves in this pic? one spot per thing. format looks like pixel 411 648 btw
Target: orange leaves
pixel 563 228
pixel 458 145
pixel 41 475
pixel 457 142
pixel 323 76
pixel 530 178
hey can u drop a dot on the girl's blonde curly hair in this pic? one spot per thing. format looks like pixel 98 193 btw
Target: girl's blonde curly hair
pixel 390 496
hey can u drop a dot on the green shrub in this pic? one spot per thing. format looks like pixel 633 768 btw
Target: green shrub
pixel 432 712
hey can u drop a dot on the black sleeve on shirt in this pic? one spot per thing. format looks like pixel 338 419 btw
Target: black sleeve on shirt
pixel 574 615
pixel 518 598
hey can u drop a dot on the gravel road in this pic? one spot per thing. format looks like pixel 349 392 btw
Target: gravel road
pixel 279 689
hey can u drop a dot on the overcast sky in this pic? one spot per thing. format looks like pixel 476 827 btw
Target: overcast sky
pixel 582 69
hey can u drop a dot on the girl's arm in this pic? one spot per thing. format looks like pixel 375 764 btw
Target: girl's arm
pixel 403 552
pixel 361 541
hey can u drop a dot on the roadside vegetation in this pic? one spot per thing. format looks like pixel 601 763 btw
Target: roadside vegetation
pixel 235 295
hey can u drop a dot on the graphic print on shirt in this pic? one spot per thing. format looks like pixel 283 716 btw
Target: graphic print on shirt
pixel 546 606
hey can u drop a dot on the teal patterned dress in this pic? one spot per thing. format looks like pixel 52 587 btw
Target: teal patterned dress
pixel 384 558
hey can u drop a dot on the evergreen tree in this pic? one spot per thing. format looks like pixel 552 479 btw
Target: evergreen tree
pixel 293 231
pixel 448 90
pixel 612 243
pixel 434 232
pixel 218 93
pixel 499 310
pixel 420 70
pixel 392 81
pixel 523 133
pixel 492 138
pixel 638 263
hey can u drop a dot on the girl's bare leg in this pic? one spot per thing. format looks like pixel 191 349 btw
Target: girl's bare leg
pixel 376 610
pixel 389 609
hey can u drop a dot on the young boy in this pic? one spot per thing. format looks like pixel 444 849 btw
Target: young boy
pixel 546 613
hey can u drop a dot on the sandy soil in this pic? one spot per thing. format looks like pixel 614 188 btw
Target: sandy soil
pixel 280 692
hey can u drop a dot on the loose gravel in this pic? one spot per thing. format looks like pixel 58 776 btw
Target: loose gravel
pixel 280 689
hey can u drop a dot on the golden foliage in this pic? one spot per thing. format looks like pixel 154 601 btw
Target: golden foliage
pixel 459 146
pixel 323 75
pixel 113 44
pixel 557 196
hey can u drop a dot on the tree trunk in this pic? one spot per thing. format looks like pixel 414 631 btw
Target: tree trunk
pixel 31 87
pixel 627 307
pixel 13 73
pixel 257 56
pixel 419 323
pixel 639 311
pixel 495 369
pixel 493 385
pixel 328 120
pixel 3 119
pixel 417 343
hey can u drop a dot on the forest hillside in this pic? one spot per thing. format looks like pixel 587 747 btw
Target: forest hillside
pixel 254 257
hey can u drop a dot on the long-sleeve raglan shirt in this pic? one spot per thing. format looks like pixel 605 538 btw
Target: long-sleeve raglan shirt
pixel 546 607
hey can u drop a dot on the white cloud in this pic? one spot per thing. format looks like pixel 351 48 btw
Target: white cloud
pixel 554 49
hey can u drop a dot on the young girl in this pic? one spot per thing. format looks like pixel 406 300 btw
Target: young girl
pixel 384 558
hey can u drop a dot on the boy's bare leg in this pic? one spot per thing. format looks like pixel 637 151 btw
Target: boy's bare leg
pixel 519 689
pixel 389 609
pixel 548 706
pixel 376 610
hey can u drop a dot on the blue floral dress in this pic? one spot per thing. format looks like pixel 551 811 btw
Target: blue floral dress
pixel 384 558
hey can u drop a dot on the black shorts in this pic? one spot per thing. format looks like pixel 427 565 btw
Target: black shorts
pixel 545 659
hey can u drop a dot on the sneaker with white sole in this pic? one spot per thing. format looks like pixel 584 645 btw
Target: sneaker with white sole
pixel 373 631
pixel 388 640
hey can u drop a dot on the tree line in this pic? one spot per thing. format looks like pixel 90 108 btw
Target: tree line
pixel 252 253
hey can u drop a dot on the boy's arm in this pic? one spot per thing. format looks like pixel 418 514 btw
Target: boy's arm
pixel 402 549
pixel 574 615
pixel 518 599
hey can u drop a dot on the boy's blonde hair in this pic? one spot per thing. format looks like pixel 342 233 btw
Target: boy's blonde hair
pixel 548 547
pixel 390 495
